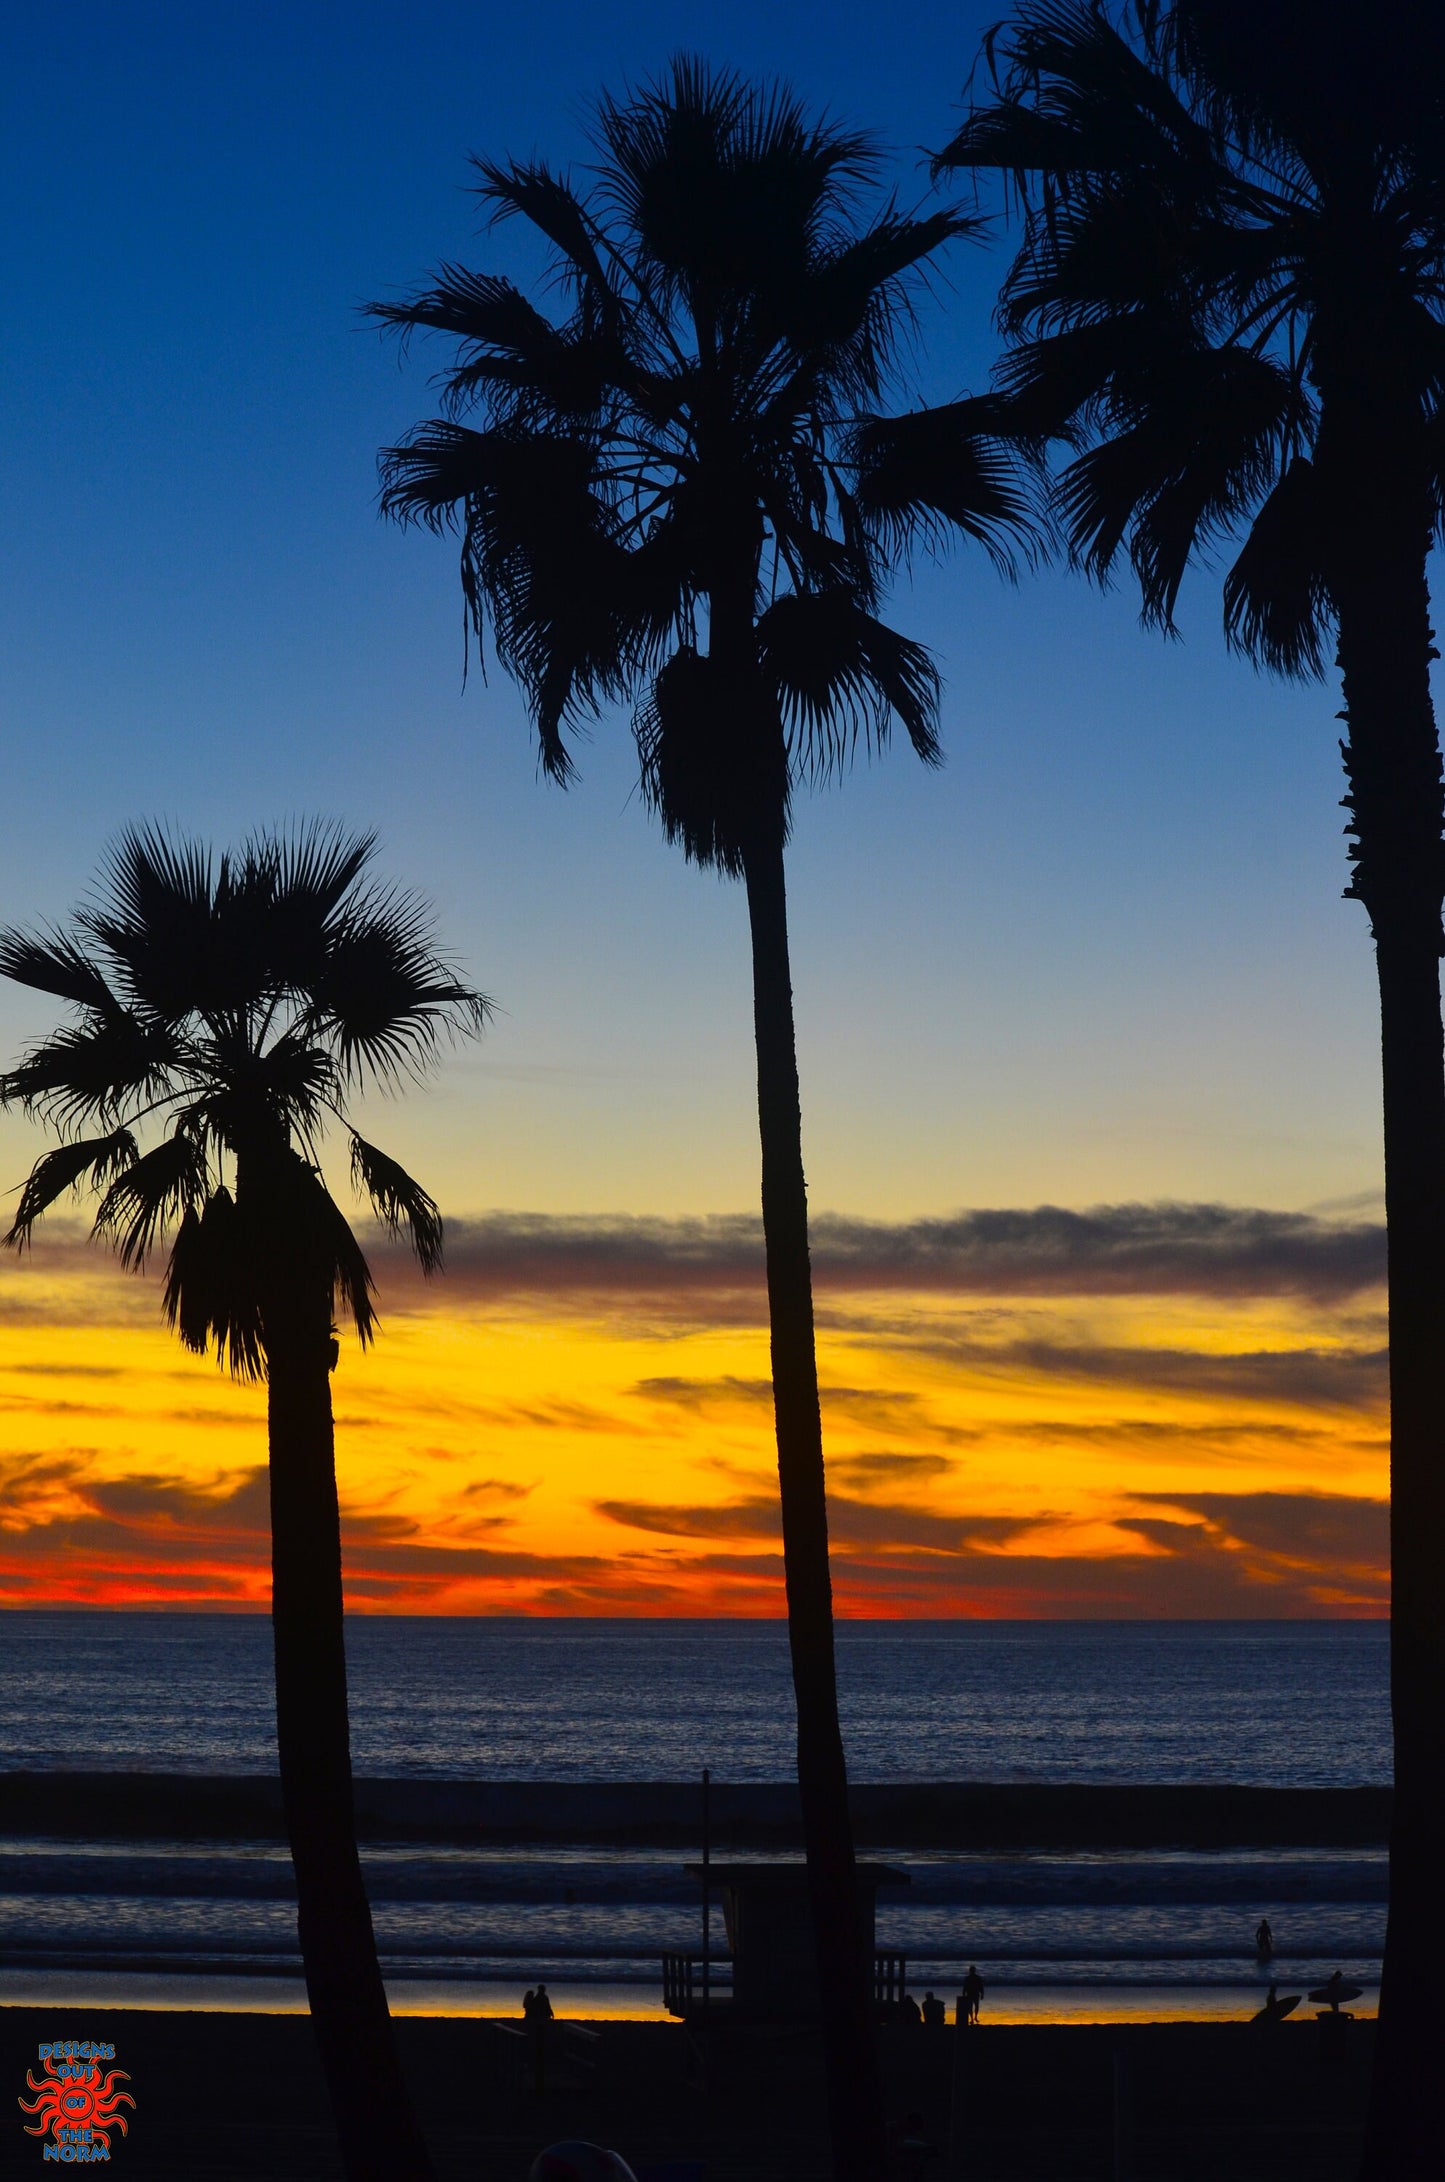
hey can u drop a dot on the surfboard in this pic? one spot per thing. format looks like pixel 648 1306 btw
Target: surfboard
pixel 1329 1996
pixel 1275 2011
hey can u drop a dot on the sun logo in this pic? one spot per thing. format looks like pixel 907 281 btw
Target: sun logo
pixel 77 2105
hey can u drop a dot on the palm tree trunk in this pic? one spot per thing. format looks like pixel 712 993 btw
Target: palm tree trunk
pixel 855 2107
pixel 1393 761
pixel 380 2140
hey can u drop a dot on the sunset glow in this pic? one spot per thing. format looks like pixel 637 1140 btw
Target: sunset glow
pixel 577 1420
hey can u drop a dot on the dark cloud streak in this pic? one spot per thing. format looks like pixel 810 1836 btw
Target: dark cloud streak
pixel 1144 1249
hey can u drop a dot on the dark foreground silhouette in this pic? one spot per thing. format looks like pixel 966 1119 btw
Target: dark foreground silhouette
pixel 229 1008
pixel 1212 2099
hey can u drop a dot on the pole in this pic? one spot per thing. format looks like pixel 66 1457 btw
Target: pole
pixel 706 1895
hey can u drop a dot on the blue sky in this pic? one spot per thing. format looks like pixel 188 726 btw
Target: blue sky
pixel 1103 956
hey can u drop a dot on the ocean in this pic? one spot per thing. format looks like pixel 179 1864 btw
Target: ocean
pixel 1262 1704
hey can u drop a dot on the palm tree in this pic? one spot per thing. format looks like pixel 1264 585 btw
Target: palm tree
pixel 240 1004
pixel 678 490
pixel 1230 297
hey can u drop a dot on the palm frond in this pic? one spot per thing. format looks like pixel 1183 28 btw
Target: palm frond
pixel 713 761
pixel 90 1159
pixel 1277 608
pixel 399 1202
pixel 385 997
pixel 153 917
pixel 840 672
pixel 1075 97
pixel 1188 461
pixel 958 467
pixel 530 190
pixel 513 361
pixel 152 1193
pixel 725 184
pixel 311 867
pixel 852 303
pixel 481 308
pixel 575 614
pixel 211 1296
pixel 97 1070
pixel 51 963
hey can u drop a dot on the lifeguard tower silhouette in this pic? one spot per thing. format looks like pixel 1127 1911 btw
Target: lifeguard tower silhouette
pixel 772 1976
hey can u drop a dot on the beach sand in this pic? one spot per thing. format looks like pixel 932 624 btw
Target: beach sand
pixel 234 2098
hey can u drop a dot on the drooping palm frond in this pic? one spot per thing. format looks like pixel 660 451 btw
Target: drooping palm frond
pixel 212 1293
pixel 152 1193
pixel 399 1202
pixel 575 613
pixel 962 466
pixel 838 673
pixel 713 791
pixel 1276 600
pixel 1185 463
pixel 90 1159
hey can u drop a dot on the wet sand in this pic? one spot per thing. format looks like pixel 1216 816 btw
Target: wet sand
pixel 234 2098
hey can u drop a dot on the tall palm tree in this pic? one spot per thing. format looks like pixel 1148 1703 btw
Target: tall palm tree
pixel 678 489
pixel 238 1005
pixel 1230 297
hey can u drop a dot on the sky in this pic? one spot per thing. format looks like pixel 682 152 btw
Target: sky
pixel 1088 1038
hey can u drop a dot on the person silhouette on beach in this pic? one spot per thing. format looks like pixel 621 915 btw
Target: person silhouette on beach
pixel 935 2015
pixel 909 2010
pixel 536 2015
pixel 1263 1939
pixel 972 1994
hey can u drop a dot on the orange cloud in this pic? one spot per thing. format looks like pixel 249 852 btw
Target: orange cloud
pixel 1138 1410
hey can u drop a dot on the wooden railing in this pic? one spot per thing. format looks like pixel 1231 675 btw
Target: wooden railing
pixel 682 1984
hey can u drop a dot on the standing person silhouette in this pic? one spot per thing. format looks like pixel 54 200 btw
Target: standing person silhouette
pixel 973 1992
pixel 1263 1940
pixel 537 2014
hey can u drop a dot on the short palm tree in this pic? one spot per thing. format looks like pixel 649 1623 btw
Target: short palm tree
pixel 678 489
pixel 1230 297
pixel 238 1005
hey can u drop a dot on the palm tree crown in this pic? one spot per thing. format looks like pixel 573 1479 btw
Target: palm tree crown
pixel 1232 210
pixel 692 445
pixel 238 1005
